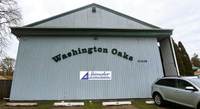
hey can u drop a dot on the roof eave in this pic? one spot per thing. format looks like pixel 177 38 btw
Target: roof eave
pixel 27 31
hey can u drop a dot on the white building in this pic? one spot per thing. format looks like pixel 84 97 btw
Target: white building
pixel 54 51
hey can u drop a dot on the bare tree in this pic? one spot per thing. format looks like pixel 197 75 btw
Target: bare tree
pixel 7 66
pixel 10 15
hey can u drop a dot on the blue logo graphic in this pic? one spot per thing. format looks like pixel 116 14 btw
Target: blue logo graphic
pixel 85 77
pixel 95 75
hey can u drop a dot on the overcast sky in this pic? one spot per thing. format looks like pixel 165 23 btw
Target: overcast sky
pixel 181 15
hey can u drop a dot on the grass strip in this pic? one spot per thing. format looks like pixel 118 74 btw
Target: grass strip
pixel 93 105
pixel 44 105
pixel 143 105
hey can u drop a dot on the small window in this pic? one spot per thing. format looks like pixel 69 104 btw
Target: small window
pixel 181 84
pixel 93 9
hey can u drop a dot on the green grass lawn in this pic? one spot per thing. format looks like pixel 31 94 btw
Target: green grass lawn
pixel 1 105
pixel 44 105
pixel 93 105
pixel 142 105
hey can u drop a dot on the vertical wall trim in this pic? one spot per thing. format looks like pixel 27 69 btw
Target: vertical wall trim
pixel 174 56
pixel 168 58
pixel 161 57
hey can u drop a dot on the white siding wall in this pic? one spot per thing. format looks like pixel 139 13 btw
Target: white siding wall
pixel 38 77
pixel 85 18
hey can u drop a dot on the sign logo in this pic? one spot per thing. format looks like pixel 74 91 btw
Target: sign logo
pixel 95 75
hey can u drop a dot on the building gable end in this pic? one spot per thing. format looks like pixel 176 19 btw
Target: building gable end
pixel 85 17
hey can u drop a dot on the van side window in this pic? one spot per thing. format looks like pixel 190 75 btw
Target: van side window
pixel 170 82
pixel 181 84
pixel 166 82
pixel 160 82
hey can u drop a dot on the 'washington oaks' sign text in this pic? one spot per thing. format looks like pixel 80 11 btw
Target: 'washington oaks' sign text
pixel 94 49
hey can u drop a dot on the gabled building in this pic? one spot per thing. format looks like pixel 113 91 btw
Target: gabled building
pixel 92 52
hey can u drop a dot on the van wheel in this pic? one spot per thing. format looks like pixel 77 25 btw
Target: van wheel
pixel 158 99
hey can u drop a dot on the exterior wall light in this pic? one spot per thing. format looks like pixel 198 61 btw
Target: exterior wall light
pixel 95 38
